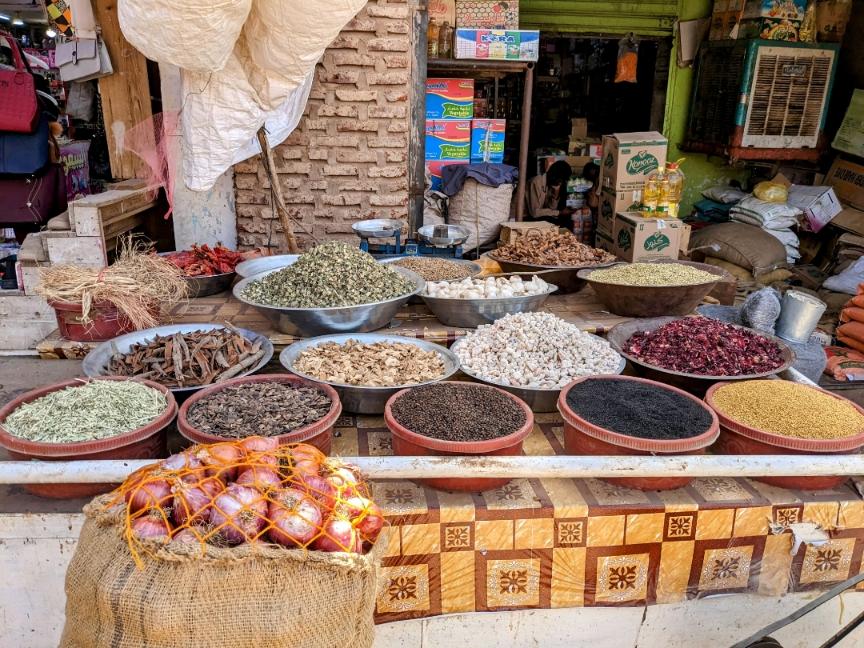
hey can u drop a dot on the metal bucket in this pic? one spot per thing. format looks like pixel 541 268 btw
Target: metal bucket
pixel 799 316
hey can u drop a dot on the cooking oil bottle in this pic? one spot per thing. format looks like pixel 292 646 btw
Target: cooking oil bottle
pixel 672 186
pixel 651 193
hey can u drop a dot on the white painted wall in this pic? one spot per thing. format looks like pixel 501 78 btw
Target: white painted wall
pixel 199 216
pixel 35 550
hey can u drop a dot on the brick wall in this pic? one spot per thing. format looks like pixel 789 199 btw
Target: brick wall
pixel 348 158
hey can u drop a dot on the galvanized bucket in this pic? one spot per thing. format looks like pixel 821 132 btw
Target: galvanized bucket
pixel 799 316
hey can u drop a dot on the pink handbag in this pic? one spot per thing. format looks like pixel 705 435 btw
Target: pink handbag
pixel 19 108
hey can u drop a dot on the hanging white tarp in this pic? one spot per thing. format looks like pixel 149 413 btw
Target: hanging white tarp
pixel 265 78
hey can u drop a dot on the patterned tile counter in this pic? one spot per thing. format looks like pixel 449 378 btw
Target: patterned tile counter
pixel 567 543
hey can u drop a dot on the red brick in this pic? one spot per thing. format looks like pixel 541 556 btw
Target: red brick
pixel 397 127
pixel 315 124
pixel 246 180
pixel 318 154
pixel 319 185
pixel 395 141
pixel 296 198
pixel 359 185
pixel 357 95
pixel 345 141
pixel 248 211
pixel 387 172
pixel 356 156
pixel 248 166
pixel 388 112
pixel 341 76
pixel 342 59
pixel 387 11
pixel 340 199
pixel 387 78
pixel 323 214
pixel 360 25
pixel 346 42
pixel 394 27
pixel 338 110
pixel 395 61
pixel 296 138
pixel 394 156
pixel 396 96
pixel 388 200
pixel 252 197
pixel 339 170
pixel 301 168
pixel 291 153
pixel 387 45
pixel 356 125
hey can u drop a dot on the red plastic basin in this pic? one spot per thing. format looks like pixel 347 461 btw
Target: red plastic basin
pixel 146 442
pixel 411 444
pixel 318 434
pixel 105 323
pixel 739 439
pixel 584 438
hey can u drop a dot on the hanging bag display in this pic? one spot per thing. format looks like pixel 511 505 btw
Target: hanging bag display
pixel 19 108
pixel 83 59
pixel 22 153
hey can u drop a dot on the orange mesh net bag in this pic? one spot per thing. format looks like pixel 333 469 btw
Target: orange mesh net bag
pixel 231 544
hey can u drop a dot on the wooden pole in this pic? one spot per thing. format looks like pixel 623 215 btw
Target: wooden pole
pixel 524 139
pixel 276 191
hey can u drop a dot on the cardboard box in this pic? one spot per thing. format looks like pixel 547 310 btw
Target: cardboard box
pixel 610 203
pixel 487 140
pixel 449 98
pixel 684 245
pixel 498 44
pixel 628 159
pixel 847 179
pixel 604 241
pixel 576 162
pixel 487 14
pixel 819 204
pixel 434 167
pixel 645 239
pixel 769 29
pixel 579 128
pixel 724 18
pixel 448 139
pixel 832 16
pixel 775 9
pixel 513 231
pixel 850 220
pixel 442 11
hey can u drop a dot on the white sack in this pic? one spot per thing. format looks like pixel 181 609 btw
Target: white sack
pixel 191 34
pixel 281 64
pixel 848 280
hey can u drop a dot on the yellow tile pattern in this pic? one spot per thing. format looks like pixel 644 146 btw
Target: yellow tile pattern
pixel 534 533
pixel 714 524
pixel 606 531
pixel 643 528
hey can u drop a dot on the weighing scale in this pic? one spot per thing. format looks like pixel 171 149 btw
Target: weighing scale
pixel 432 240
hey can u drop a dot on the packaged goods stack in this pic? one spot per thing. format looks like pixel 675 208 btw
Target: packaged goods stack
pixel 489 29
pixel 449 109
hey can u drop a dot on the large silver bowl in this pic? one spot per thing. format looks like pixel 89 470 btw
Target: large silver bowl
pixel 262 264
pixel 471 313
pixel 205 285
pixel 697 384
pixel 356 398
pixel 96 363
pixel 309 322
pixel 476 269
pixel 565 277
pixel 539 400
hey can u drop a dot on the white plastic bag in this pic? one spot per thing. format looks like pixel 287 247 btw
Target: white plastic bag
pixel 848 280
pixel 197 35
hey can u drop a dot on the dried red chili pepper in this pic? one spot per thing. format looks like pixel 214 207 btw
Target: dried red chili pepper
pixel 699 345
pixel 201 260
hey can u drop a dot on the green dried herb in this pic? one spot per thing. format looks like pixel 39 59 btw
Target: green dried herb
pixel 333 274
pixel 96 410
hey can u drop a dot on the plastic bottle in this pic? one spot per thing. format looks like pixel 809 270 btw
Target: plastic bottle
pixel 445 41
pixel 651 192
pixel 675 187
pixel 432 35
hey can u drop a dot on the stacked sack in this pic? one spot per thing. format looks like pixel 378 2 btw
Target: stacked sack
pixel 775 218
pixel 851 330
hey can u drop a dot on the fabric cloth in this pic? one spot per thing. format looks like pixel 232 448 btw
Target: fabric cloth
pixel 491 175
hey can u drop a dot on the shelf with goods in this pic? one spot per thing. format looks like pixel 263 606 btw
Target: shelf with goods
pixel 499 71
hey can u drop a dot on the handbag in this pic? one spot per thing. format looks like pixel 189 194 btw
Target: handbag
pixel 19 109
pixel 24 153
pixel 83 59
pixel 34 198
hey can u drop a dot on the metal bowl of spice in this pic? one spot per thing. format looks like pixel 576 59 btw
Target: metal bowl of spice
pixel 653 289
pixel 433 268
pixel 334 288
pixel 704 351
pixel 288 408
pixel 201 285
pixel 107 418
pixel 263 264
pixel 367 369
pixel 183 357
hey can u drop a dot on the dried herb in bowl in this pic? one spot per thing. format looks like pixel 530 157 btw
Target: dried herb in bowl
pixel 706 347
pixel 99 409
pixel 262 408
pixel 331 275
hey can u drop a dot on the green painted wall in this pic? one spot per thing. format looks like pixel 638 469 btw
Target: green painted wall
pixel 648 18
pixel 700 171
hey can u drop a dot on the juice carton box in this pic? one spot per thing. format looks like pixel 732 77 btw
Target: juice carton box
pixel 628 159
pixel 449 98
pixel 500 44
pixel 448 139
pixel 487 140
pixel 435 169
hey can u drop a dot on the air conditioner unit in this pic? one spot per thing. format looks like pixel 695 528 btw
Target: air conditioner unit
pixel 761 99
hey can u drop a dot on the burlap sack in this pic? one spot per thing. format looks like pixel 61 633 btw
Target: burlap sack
pixel 243 597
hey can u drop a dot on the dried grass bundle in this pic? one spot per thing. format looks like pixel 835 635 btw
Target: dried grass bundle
pixel 137 284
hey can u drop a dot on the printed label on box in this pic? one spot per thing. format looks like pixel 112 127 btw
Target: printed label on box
pixel 449 98
pixel 487 14
pixel 511 45
pixel 487 140
pixel 448 139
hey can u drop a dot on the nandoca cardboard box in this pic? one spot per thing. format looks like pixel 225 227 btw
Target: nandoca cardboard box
pixel 645 239
pixel 448 139
pixel 449 98
pixel 611 203
pixel 628 159
pixel 487 140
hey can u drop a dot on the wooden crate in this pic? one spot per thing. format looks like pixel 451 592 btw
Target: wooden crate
pixel 112 214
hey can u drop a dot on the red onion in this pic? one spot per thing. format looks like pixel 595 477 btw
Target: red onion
pixel 295 516
pixel 366 517
pixel 191 504
pixel 264 479
pixel 307 460
pixel 185 536
pixel 181 461
pixel 239 513
pixel 210 485
pixel 152 493
pixel 319 488
pixel 259 444
pixel 347 482
pixel 151 526
pixel 339 535
pixel 221 460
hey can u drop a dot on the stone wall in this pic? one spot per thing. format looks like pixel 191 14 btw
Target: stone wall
pixel 348 158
